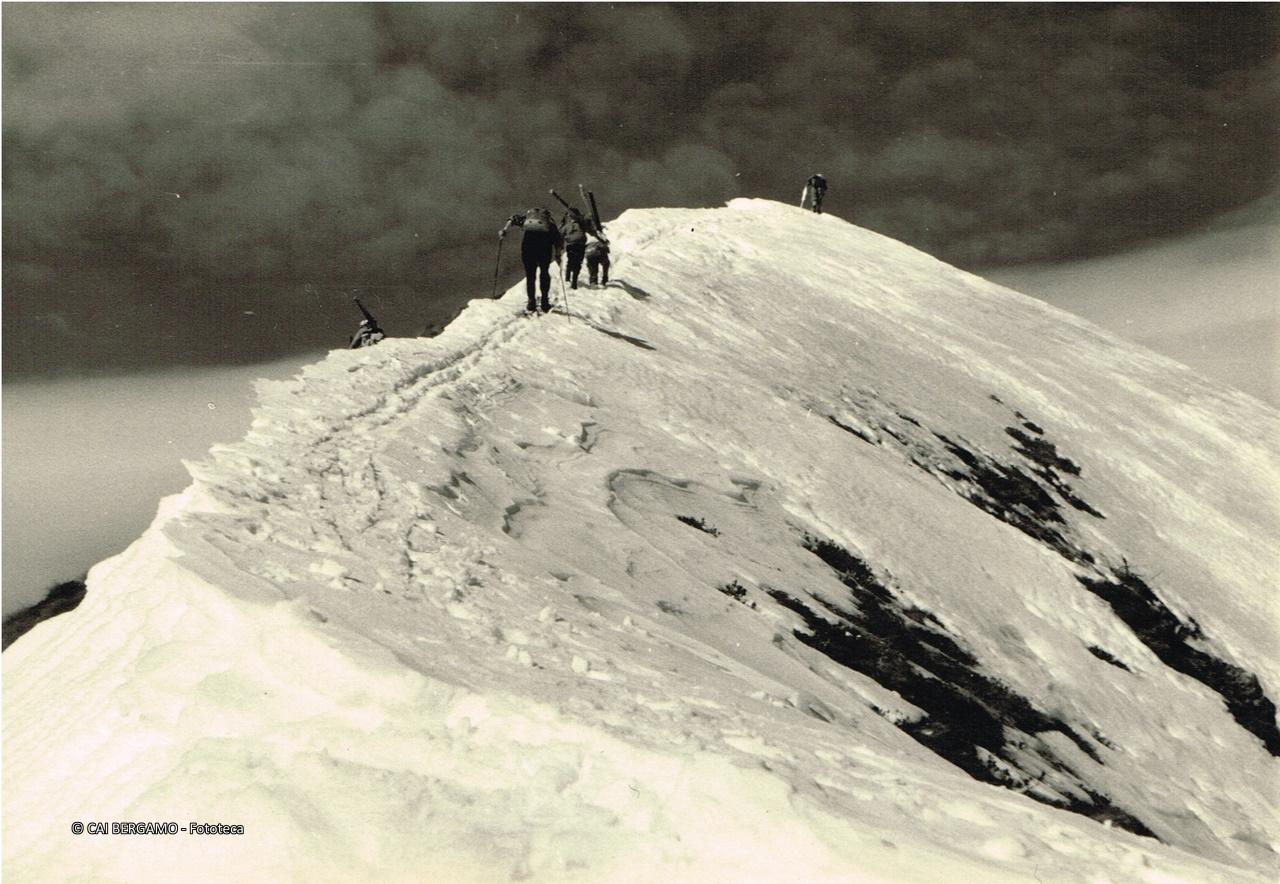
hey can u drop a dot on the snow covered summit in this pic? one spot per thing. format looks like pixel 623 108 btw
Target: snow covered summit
pixel 792 555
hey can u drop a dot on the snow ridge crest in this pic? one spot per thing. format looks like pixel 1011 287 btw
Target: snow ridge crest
pixel 792 552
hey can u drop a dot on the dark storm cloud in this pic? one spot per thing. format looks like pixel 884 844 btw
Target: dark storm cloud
pixel 192 149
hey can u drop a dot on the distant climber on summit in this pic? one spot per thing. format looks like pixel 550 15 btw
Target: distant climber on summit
pixel 598 261
pixel 541 244
pixel 814 190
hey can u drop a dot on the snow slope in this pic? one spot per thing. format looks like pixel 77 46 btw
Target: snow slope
pixel 795 554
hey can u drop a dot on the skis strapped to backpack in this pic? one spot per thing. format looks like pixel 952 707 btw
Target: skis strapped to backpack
pixel 589 198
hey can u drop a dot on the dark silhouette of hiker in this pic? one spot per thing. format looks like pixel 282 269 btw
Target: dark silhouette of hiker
pixel 573 227
pixel 814 190
pixel 598 261
pixel 369 331
pixel 540 245
pixel 366 335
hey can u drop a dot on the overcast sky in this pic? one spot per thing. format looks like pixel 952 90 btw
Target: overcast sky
pixel 1210 300
pixel 207 183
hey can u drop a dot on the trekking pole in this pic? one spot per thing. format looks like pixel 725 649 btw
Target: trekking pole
pixel 564 294
pixel 496 266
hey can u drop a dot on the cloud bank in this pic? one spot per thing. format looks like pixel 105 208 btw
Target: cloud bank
pixel 192 164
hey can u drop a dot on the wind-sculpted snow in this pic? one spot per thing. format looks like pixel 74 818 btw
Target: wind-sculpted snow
pixel 1031 505
pixel 792 554
pixel 976 723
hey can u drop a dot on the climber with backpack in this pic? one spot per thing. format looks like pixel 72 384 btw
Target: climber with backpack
pixel 573 228
pixel 541 244
pixel 814 190
pixel 598 262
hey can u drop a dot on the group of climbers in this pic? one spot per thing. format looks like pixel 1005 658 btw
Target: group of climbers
pixel 544 241
pixel 575 227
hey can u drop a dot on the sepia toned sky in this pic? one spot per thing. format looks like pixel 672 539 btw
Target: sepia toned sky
pixel 209 183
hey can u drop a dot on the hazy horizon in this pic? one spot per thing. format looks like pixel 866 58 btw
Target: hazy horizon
pixel 1208 300
pixel 87 461
pixel 196 183
pixel 73 498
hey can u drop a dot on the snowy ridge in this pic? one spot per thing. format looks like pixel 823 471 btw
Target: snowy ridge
pixel 795 554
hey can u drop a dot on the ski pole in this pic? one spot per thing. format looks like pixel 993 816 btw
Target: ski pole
pixel 496 266
pixel 564 296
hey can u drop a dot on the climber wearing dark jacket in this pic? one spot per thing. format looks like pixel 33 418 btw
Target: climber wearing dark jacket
pixel 541 244
pixel 814 190
pixel 598 261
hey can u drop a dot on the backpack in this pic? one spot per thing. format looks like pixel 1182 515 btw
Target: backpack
pixel 539 220
pixel 573 229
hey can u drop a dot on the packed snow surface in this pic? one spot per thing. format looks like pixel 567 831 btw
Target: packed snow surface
pixel 792 554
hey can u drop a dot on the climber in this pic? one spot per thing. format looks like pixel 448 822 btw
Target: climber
pixel 573 228
pixel 369 332
pixel 814 190
pixel 598 261
pixel 541 244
